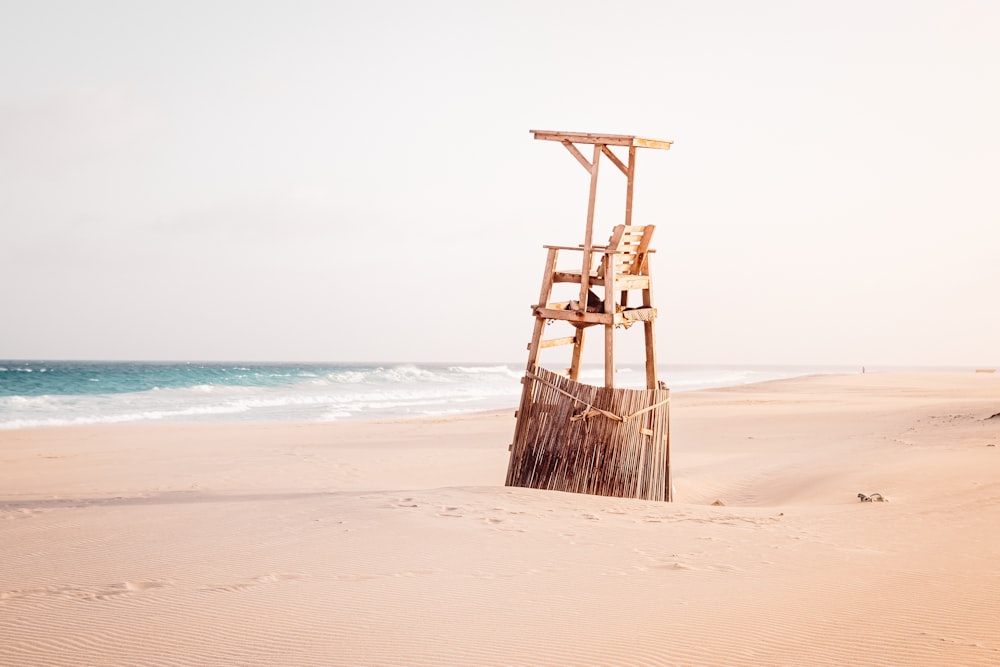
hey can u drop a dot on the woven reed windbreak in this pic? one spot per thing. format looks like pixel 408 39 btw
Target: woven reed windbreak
pixel 605 441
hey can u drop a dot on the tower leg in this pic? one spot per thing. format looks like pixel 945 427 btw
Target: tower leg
pixel 588 241
pixel 651 382
pixel 610 262
pixel 533 346
pixel 609 355
pixel 543 299
pixel 574 369
pixel 649 333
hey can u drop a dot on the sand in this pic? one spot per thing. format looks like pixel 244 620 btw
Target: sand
pixel 396 543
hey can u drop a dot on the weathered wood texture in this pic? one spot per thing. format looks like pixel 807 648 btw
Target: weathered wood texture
pixel 607 441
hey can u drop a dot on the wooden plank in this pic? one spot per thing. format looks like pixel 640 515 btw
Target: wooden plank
pixel 605 139
pixel 584 137
pixel 556 342
pixel 652 143
pixel 649 335
pixel 643 250
pixel 577 154
pixel 571 276
pixel 557 305
pixel 609 310
pixel 543 296
pixel 579 246
pixel 566 247
pixel 573 316
pixel 588 240
pixel 551 259
pixel 650 340
pixel 574 370
pixel 614 158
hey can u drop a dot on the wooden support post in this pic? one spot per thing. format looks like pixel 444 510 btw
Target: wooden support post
pixel 650 338
pixel 588 241
pixel 614 158
pixel 630 185
pixel 609 329
pixel 574 369
pixel 577 154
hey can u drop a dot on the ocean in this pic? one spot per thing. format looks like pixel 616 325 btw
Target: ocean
pixel 60 393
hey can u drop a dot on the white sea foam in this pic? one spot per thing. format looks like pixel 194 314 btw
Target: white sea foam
pixel 322 393
pixel 505 371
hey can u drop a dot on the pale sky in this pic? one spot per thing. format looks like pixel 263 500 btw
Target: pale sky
pixel 335 181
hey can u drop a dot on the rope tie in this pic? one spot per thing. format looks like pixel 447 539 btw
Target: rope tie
pixel 592 411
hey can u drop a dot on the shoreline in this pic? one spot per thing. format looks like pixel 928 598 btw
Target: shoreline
pixel 221 421
pixel 76 393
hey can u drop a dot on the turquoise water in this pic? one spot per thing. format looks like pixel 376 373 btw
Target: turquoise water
pixel 55 393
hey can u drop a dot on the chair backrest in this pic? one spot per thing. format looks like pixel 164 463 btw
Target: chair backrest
pixel 630 246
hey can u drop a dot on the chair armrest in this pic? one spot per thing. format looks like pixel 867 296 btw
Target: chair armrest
pixel 594 248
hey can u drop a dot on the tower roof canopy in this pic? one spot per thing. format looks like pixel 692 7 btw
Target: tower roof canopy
pixel 605 139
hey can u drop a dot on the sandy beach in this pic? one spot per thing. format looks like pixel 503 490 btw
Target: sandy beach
pixel 396 543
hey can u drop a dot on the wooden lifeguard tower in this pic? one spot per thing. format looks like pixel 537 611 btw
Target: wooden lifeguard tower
pixel 570 436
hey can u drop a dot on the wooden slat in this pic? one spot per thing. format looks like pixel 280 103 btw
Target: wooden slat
pixel 614 158
pixel 579 247
pixel 545 292
pixel 652 143
pixel 577 154
pixel 643 250
pixel 625 280
pixel 567 247
pixel 573 316
pixel 556 342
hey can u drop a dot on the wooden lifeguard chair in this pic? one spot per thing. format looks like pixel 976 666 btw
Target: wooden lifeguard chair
pixel 576 437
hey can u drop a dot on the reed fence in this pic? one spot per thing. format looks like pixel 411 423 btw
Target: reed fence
pixel 606 441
